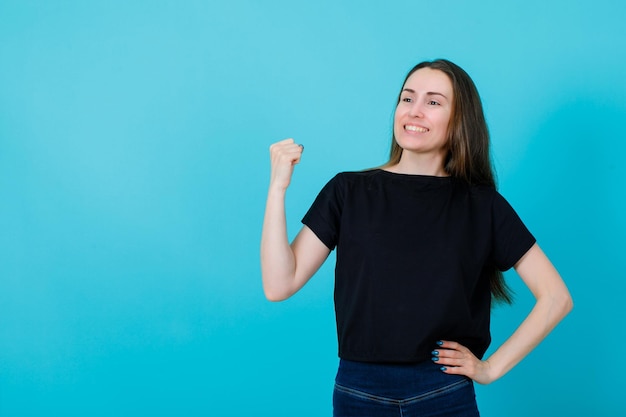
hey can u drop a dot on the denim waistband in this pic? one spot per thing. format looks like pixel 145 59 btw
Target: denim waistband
pixel 392 380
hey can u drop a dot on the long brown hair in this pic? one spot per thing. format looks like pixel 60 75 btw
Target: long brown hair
pixel 468 155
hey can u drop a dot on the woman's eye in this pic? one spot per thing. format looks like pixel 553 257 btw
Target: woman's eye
pixel 433 103
pixel 407 99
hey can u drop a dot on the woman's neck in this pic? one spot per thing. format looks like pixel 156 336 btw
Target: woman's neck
pixel 419 164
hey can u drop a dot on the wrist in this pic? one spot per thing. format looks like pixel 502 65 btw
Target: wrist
pixel 493 371
pixel 276 189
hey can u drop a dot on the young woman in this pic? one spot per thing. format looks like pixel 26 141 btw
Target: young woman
pixel 421 243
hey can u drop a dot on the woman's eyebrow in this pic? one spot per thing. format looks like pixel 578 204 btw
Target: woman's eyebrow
pixel 430 93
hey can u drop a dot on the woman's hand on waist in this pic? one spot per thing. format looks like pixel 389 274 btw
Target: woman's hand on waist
pixel 456 359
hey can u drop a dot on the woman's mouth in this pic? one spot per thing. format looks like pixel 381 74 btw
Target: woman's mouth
pixel 413 128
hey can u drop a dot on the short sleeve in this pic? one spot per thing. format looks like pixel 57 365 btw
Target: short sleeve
pixel 324 216
pixel 511 237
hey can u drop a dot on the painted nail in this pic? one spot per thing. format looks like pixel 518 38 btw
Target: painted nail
pixel 434 352
pixel 439 342
pixel 443 368
pixel 435 359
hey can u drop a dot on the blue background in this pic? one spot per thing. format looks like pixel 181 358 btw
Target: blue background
pixel 134 164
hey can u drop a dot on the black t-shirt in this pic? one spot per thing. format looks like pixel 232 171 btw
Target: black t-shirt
pixel 414 256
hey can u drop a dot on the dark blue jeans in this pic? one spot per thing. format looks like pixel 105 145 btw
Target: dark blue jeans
pixel 401 390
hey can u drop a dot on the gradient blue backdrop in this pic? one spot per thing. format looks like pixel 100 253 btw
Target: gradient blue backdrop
pixel 134 166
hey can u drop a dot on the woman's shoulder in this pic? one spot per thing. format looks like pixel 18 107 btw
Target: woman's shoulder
pixel 347 177
pixel 349 182
pixel 482 190
pixel 488 195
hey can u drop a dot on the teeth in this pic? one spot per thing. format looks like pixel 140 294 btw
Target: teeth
pixel 416 129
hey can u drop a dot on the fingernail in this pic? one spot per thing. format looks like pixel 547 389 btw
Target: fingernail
pixel 439 342
pixel 434 352
pixel 435 359
pixel 443 368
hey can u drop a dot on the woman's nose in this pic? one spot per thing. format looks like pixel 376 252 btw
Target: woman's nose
pixel 416 110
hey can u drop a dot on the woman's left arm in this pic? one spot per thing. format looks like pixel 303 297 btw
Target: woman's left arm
pixel 553 302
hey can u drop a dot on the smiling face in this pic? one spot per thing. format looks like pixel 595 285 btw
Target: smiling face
pixel 423 114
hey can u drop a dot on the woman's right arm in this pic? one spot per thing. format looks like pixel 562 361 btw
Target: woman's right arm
pixel 285 267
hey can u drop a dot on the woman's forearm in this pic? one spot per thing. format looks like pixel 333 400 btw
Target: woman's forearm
pixel 277 258
pixel 545 315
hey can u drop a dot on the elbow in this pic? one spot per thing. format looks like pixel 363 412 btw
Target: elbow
pixel 271 290
pixel 569 304
pixel 565 303
pixel 276 294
